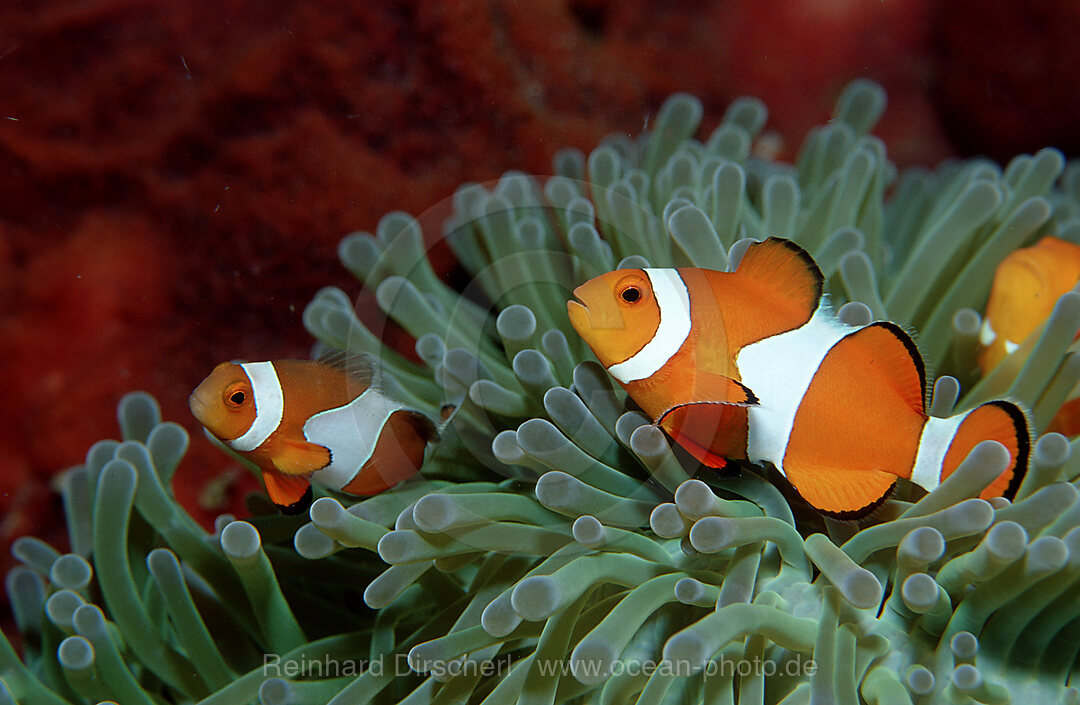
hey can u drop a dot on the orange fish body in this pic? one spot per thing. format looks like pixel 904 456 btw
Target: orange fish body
pixel 304 420
pixel 1026 286
pixel 754 364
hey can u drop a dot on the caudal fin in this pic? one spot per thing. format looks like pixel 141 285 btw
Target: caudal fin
pixel 1000 421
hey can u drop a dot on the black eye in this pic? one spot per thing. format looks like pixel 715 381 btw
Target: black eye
pixel 237 398
pixel 631 294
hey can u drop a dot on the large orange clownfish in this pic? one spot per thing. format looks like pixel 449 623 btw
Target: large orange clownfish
pixel 754 364
pixel 1026 286
pixel 322 420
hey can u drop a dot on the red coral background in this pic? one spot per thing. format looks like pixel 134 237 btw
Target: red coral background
pixel 175 176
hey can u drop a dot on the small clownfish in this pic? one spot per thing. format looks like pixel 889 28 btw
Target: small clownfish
pixel 1026 286
pixel 323 420
pixel 754 364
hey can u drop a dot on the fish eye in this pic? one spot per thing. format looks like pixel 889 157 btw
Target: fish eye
pixel 235 397
pixel 631 294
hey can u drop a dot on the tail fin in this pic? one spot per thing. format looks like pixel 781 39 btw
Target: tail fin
pixel 1001 421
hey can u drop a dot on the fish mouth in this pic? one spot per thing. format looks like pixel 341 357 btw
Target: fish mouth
pixel 195 405
pixel 578 312
pixel 576 304
pixel 198 407
pixel 577 300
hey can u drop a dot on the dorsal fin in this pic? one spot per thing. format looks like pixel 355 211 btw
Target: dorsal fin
pixel 787 270
pixel 359 367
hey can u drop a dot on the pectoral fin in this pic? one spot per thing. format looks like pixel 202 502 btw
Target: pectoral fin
pixel 710 432
pixel 708 388
pixel 702 454
pixel 301 458
pixel 291 493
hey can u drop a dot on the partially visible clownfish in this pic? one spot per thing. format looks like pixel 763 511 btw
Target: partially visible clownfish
pixel 1026 286
pixel 323 420
pixel 754 364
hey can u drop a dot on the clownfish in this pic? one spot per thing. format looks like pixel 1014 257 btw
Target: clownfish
pixel 754 364
pixel 323 420
pixel 1026 286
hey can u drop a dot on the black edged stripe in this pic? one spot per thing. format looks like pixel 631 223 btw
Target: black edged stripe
pixel 1023 444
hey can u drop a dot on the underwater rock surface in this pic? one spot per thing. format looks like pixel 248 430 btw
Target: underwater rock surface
pixel 557 549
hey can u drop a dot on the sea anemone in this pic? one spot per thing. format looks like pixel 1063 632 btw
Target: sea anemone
pixel 556 547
